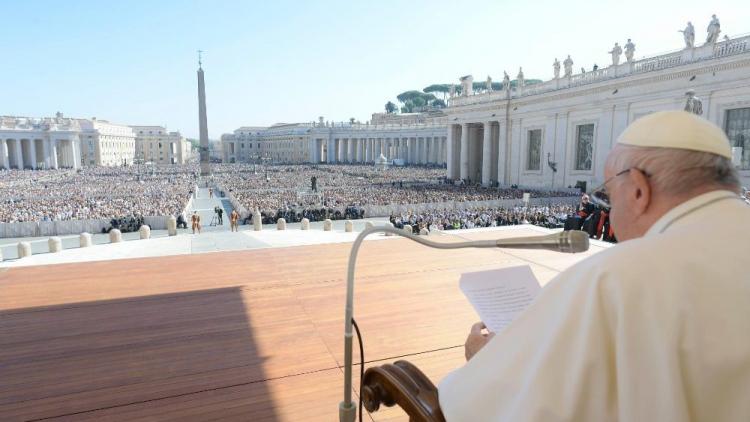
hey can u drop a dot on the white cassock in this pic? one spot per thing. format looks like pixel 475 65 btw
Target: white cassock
pixel 653 329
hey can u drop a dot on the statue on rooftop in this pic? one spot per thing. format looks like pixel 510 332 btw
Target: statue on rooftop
pixel 693 104
pixel 519 78
pixel 506 81
pixel 452 91
pixel 556 66
pixel 488 84
pixel 467 85
pixel 568 63
pixel 714 29
pixel 688 34
pixel 616 51
pixel 629 50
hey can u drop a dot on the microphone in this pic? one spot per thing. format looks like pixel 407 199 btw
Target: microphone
pixel 573 241
pixel 566 241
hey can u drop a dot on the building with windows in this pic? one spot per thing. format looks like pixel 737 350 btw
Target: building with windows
pixel 558 133
pixel 157 145
pixel 106 144
pixel 60 142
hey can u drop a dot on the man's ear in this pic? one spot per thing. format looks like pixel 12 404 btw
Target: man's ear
pixel 640 191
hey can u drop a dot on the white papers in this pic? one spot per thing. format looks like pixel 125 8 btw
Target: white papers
pixel 499 296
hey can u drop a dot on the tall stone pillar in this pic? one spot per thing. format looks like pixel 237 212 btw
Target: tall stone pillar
pixel 352 150
pixel 46 154
pixel 431 150
pixel 203 124
pixel 443 150
pixel 4 158
pixel 32 153
pixel 487 154
pixel 53 154
pixel 19 154
pixel 449 153
pixel 76 156
pixel 331 151
pixel 464 173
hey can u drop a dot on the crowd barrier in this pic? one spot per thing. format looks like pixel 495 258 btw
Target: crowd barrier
pixel 58 228
pixel 388 210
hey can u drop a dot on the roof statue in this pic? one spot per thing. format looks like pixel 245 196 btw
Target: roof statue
pixel 688 34
pixel 629 51
pixel 556 67
pixel 693 104
pixel 616 51
pixel 568 63
pixel 714 29
pixel 467 84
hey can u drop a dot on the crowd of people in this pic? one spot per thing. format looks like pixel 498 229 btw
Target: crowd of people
pixel 288 191
pixel 94 193
pixel 292 192
pixel 549 216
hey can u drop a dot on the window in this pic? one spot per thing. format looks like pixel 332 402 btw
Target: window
pixel 584 147
pixel 737 126
pixel 534 150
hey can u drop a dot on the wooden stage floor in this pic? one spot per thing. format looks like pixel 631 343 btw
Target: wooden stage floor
pixel 248 336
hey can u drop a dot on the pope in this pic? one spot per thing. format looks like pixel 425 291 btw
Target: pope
pixel 656 328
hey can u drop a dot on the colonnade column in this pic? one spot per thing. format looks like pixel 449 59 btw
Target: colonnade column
pixel 431 156
pixel 4 157
pixel 331 150
pixel 53 154
pixel 449 153
pixel 464 160
pixel 487 154
pixel 19 154
pixel 428 149
pixel 444 150
pixel 32 153
pixel 76 145
pixel 46 153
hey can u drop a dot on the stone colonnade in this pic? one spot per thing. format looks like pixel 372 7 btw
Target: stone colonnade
pixel 29 153
pixel 477 152
pixel 412 150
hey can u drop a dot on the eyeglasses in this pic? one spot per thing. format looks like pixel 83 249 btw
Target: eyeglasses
pixel 599 195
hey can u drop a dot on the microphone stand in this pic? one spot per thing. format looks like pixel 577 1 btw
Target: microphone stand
pixel 347 409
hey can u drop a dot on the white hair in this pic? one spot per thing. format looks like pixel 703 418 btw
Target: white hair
pixel 677 171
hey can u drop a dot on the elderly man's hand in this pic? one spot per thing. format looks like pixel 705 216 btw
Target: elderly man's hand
pixel 478 337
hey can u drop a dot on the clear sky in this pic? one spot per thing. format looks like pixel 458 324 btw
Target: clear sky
pixel 134 62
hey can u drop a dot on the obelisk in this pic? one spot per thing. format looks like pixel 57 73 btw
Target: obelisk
pixel 202 121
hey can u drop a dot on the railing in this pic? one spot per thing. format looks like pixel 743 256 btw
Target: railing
pixel 738 45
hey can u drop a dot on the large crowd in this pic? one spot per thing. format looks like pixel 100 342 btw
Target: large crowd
pixel 293 192
pixel 549 216
pixel 94 193
pixel 278 190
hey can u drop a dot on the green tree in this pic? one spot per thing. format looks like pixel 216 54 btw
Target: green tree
pixel 438 103
pixel 409 95
pixel 443 89
pixel 390 108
